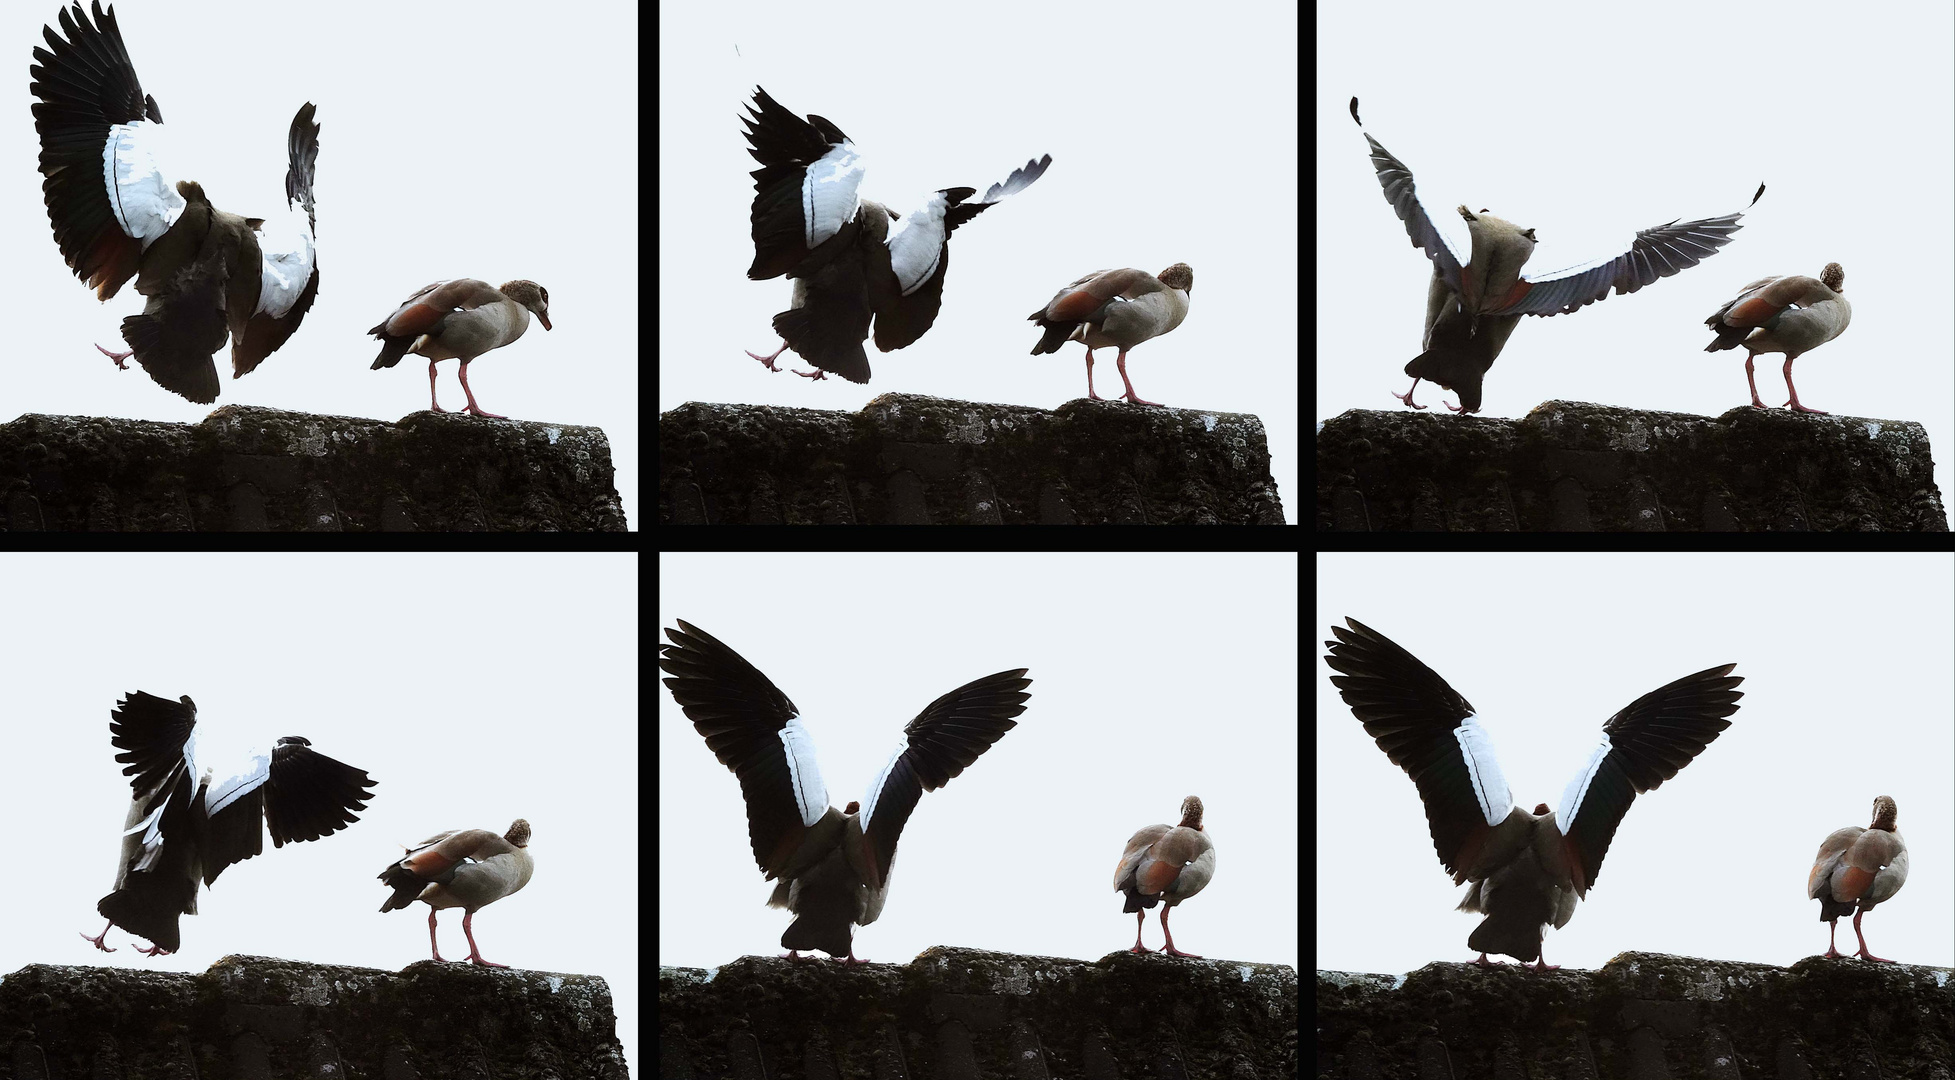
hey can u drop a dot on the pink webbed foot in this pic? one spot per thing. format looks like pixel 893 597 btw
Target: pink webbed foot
pixel 769 359
pixel 97 939
pixel 1484 962
pixel 1406 397
pixel 120 359
pixel 1796 407
pixel 475 954
pixel 816 374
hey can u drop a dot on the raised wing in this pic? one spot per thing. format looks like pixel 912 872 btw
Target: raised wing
pixel 1657 253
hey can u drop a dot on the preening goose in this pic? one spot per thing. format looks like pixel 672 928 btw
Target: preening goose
pixel 463 318
pixel 1118 309
pixel 1473 304
pixel 848 266
pixel 833 865
pixel 190 819
pixel 470 869
pixel 207 273
pixel 1791 315
pixel 1857 868
pixel 1527 870
pixel 1165 865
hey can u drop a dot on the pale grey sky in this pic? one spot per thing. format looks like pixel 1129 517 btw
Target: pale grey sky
pixel 1136 702
pixel 1173 139
pixel 1847 695
pixel 495 146
pixel 1591 123
pixel 473 689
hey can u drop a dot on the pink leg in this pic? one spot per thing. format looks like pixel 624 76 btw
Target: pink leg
pixel 1484 962
pixel 1796 407
pixel 1406 397
pixel 1136 399
pixel 1542 963
pixel 770 357
pixel 1169 947
pixel 1140 921
pixel 153 950
pixel 815 374
pixel 474 954
pixel 476 410
pixel 118 357
pixel 1751 382
pixel 97 939
pixel 1832 951
pixel 432 945
pixel 852 961
pixel 1864 954
pixel 1089 377
pixel 432 403
pixel 1455 408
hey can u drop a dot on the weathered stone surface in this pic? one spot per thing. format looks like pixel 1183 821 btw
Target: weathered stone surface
pixel 253 469
pixel 910 459
pixel 1576 467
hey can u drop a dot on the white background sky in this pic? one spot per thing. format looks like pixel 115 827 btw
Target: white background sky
pixel 1847 696
pixel 450 146
pixel 466 712
pixel 1155 119
pixel 1134 705
pixel 1590 123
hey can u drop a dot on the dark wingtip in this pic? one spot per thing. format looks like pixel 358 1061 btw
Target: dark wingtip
pixel 1354 109
pixel 1760 195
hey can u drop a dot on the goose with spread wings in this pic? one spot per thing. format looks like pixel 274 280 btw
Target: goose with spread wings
pixel 1527 870
pixel 116 214
pixel 833 866
pixel 1473 303
pixel 191 815
pixel 849 263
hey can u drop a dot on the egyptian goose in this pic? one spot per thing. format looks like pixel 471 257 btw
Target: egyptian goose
pixel 1527 870
pixel 1165 863
pixel 187 820
pixel 207 273
pixel 1117 309
pixel 470 869
pixel 462 318
pixel 847 266
pixel 1790 315
pixel 833 865
pixel 1472 305
pixel 1855 869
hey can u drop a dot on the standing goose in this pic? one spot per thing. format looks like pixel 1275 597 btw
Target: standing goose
pixel 463 318
pixel 1473 304
pixel 191 818
pixel 1166 865
pixel 1527 870
pixel 1117 309
pixel 470 870
pixel 1857 868
pixel 833 865
pixel 1790 315
pixel 847 265
pixel 208 274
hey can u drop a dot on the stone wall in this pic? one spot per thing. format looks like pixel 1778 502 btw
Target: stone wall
pixel 245 469
pixel 1576 467
pixel 906 459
